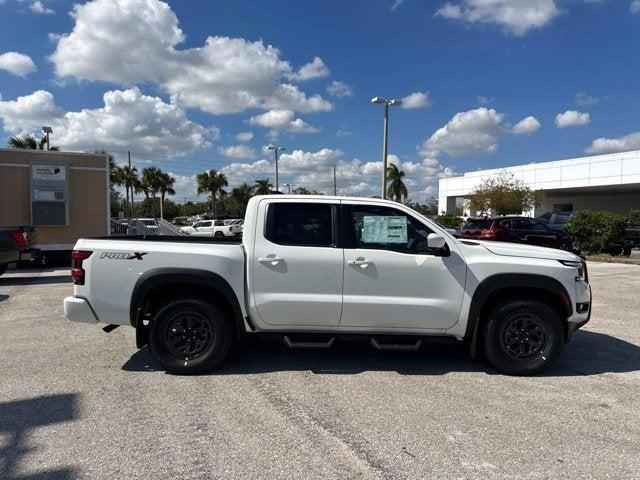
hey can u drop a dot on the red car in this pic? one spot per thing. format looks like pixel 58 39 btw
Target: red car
pixel 515 229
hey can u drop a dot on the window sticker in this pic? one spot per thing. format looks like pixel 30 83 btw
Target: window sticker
pixel 376 229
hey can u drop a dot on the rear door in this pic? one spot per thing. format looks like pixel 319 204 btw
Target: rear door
pixel 392 280
pixel 296 268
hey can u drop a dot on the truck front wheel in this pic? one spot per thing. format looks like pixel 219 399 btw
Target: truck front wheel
pixel 523 337
pixel 190 336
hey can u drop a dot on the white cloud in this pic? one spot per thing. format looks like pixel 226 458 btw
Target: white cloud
pixel 39 8
pixel 572 118
pixel 635 6
pixel 309 71
pixel 237 151
pixel 526 125
pixel 396 4
pixel 582 98
pixel 135 42
pixel 614 145
pixel 514 16
pixel 29 112
pixel 314 170
pixel 282 120
pixel 244 136
pixel 482 100
pixel 339 89
pixel 416 100
pixel 17 63
pixel 473 132
pixel 128 120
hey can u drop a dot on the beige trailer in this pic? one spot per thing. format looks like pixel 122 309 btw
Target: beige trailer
pixel 64 195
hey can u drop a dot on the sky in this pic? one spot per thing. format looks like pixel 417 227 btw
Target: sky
pixel 192 85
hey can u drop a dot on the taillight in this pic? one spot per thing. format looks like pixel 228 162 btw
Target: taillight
pixel 77 272
pixel 20 238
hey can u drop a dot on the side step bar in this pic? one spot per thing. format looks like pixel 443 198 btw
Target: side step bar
pixel 298 344
pixel 407 347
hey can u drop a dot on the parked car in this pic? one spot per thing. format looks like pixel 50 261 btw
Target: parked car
pixel 315 270
pixel 211 228
pixel 515 229
pixel 16 245
pixel 556 220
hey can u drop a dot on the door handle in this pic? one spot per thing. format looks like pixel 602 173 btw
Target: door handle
pixel 358 261
pixel 272 260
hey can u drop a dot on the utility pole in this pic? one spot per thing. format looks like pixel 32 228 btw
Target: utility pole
pixel 276 150
pixel 335 185
pixel 387 104
pixel 130 170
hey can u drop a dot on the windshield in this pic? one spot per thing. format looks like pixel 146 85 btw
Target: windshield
pixel 478 224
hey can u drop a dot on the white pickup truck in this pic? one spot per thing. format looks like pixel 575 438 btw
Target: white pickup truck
pixel 313 270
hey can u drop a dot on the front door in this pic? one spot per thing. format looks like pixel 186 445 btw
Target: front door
pixel 391 278
pixel 296 269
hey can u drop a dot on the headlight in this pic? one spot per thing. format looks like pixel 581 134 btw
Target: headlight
pixel 579 266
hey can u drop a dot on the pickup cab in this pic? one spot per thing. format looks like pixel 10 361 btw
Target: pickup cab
pixel 313 270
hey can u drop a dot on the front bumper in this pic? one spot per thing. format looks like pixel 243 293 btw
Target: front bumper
pixel 582 309
pixel 78 310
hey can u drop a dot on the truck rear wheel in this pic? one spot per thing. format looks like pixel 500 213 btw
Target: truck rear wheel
pixel 190 336
pixel 3 268
pixel 523 337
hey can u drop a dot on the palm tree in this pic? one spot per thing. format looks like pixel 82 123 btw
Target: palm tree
pixel 263 187
pixel 166 188
pixel 117 178
pixel 130 182
pixel 211 181
pixel 29 142
pixel 396 189
pixel 241 196
pixel 150 185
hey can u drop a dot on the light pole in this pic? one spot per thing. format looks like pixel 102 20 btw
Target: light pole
pixel 47 131
pixel 387 104
pixel 288 185
pixel 275 151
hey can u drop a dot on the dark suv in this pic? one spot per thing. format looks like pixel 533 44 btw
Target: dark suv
pixel 515 229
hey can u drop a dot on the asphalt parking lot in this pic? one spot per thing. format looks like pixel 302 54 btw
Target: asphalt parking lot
pixel 78 403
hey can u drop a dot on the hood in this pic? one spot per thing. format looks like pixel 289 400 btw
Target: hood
pixel 523 250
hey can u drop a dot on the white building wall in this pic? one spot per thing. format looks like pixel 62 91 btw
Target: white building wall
pixel 602 170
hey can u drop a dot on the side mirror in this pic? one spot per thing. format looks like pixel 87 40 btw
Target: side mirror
pixel 435 241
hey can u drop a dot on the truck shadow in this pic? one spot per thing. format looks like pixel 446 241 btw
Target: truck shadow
pixel 18 419
pixel 35 280
pixel 588 353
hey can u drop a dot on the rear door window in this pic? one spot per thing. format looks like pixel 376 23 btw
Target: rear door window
pixel 301 224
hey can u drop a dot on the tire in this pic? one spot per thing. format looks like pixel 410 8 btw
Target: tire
pixel 218 235
pixel 3 268
pixel 626 251
pixel 523 337
pixel 210 331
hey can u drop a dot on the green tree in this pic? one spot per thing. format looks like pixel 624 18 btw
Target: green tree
pixel 212 182
pixel 127 177
pixel 150 185
pixel 29 142
pixel 396 189
pixel 239 198
pixel 263 187
pixel 502 194
pixel 165 188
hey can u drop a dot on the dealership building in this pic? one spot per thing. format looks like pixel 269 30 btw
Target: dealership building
pixel 604 182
